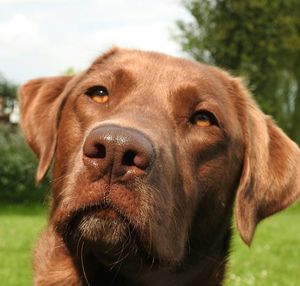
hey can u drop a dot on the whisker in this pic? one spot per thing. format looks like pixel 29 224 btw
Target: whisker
pixel 78 244
pixel 82 265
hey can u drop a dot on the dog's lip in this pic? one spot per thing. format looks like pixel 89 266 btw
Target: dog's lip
pixel 76 215
pixel 97 207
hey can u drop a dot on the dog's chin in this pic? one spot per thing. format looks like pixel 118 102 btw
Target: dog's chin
pixel 109 235
pixel 104 227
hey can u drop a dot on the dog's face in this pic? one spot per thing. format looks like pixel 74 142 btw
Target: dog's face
pixel 150 150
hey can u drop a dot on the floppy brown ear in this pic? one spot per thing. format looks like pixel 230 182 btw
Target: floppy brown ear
pixel 270 179
pixel 40 103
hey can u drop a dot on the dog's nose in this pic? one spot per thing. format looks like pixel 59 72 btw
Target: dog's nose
pixel 118 152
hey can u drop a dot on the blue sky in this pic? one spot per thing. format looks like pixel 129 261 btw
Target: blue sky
pixel 45 37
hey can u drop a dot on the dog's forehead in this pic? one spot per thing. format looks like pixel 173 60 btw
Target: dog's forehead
pixel 155 71
pixel 155 65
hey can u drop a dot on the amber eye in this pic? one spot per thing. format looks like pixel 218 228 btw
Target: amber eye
pixel 98 93
pixel 203 119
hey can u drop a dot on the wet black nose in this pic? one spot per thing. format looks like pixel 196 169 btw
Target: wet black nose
pixel 118 152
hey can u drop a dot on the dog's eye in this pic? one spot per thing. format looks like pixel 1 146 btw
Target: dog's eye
pixel 98 93
pixel 203 118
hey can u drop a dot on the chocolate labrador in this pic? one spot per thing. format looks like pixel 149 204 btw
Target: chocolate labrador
pixel 152 154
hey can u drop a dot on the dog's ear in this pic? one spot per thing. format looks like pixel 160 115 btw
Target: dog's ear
pixel 40 102
pixel 270 179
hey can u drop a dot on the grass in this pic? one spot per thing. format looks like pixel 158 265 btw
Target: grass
pixel 274 256
pixel 272 260
pixel 19 227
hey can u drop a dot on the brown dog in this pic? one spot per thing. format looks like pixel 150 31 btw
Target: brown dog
pixel 150 153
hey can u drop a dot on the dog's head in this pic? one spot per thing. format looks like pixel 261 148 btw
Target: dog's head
pixel 149 150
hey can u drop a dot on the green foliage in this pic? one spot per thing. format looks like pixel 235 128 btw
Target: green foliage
pixel 69 71
pixel 8 91
pixel 256 39
pixel 17 169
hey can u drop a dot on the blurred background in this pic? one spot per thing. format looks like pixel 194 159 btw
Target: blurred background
pixel 258 40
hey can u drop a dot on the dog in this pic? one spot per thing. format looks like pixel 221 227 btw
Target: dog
pixel 152 155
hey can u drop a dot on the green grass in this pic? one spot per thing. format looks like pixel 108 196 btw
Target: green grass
pixel 272 260
pixel 19 228
pixel 274 256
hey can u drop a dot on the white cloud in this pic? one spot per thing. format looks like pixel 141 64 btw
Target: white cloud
pixel 25 1
pixel 49 36
pixel 18 33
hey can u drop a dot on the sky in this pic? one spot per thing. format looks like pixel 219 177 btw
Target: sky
pixel 46 37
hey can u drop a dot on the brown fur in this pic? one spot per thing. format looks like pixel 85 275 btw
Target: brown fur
pixel 170 226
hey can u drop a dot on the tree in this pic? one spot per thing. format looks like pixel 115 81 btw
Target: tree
pixel 256 39
pixel 8 94
pixel 69 71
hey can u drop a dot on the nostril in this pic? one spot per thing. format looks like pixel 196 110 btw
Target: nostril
pixel 132 158
pixel 128 158
pixel 96 150
pixel 100 151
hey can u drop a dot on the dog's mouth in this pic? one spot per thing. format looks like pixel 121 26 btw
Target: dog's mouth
pixel 100 224
pixel 104 212
pixel 105 229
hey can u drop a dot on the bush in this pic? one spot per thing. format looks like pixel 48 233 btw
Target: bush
pixel 17 169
